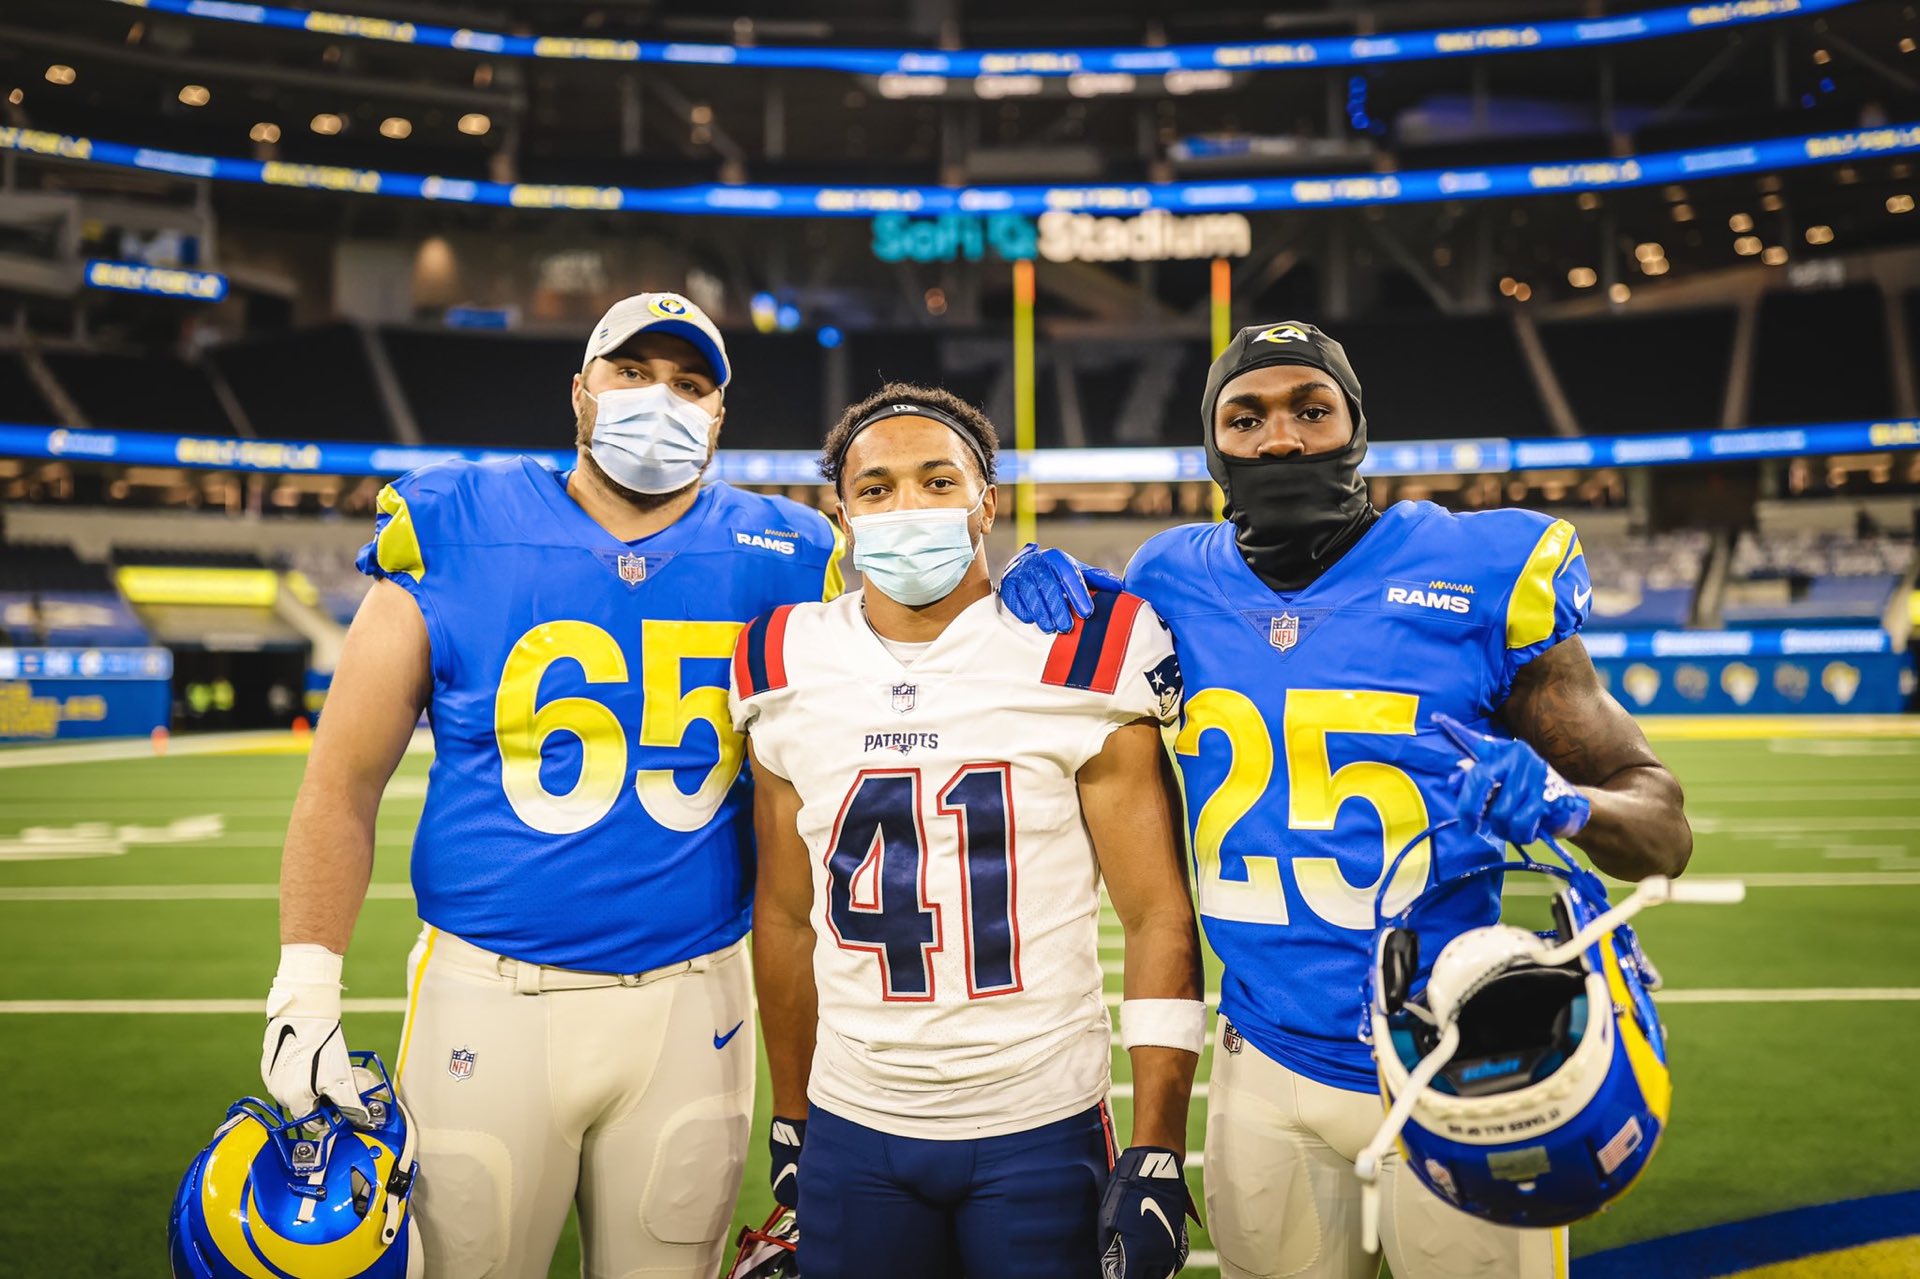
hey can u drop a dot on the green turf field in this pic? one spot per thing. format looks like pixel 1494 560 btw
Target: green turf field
pixel 1791 1016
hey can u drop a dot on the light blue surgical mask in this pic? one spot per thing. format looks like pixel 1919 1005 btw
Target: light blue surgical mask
pixel 648 439
pixel 917 556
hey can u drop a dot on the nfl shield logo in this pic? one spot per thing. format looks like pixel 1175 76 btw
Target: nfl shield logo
pixel 633 569
pixel 903 695
pixel 1285 632
pixel 460 1064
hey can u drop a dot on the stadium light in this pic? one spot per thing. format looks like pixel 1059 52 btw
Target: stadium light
pixel 195 95
pixel 474 125
pixel 1006 86
pixel 1772 203
pixel 1522 291
pixel 1683 213
pixel 1774 255
pixel 1740 223
pixel 829 337
pixel 1181 83
pixel 1747 245
pixel 264 132
pixel 1618 293
pixel 1648 252
pixel 1655 266
pixel 1583 277
pixel 1820 234
pixel 396 127
pixel 16 97
pixel 1895 203
pixel 61 73
pixel 327 124
pixel 1906 44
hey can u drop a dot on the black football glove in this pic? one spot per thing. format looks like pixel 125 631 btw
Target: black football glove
pixel 1143 1216
pixel 784 1137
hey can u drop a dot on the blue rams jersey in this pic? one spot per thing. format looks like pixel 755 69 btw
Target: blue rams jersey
pixel 1308 749
pixel 586 806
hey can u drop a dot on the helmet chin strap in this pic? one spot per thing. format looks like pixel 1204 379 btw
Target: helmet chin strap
pixel 400 1180
pixel 1367 1165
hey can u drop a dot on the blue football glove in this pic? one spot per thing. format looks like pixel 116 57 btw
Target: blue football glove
pixel 1143 1216
pixel 1504 789
pixel 1049 588
pixel 784 1139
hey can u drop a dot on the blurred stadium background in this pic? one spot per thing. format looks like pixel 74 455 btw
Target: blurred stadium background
pixel 1653 268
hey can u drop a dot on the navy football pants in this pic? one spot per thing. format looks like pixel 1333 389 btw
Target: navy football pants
pixel 1023 1205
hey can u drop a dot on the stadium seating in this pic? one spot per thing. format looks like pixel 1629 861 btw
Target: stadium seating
pixel 141 392
pixel 1665 371
pixel 1646 583
pixel 1804 578
pixel 1821 356
pixel 21 400
pixel 486 390
pixel 49 595
pixel 311 385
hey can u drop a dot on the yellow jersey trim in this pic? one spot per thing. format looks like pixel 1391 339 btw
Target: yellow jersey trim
pixel 413 1005
pixel 1530 608
pixel 835 582
pixel 398 548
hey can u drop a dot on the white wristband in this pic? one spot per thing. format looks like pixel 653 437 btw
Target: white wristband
pixel 1163 1023
pixel 308 983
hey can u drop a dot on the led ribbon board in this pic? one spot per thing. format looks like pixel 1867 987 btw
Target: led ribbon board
pixel 1044 466
pixel 1237 195
pixel 1261 55
pixel 160 281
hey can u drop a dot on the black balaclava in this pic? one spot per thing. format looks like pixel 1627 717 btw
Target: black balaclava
pixel 1293 516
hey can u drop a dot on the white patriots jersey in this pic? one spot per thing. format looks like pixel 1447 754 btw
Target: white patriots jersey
pixel 956 890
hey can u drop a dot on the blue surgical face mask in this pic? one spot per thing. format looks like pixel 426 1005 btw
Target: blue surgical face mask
pixel 648 439
pixel 914 557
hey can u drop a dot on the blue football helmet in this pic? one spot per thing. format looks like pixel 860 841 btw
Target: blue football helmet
pixel 275 1196
pixel 1526 1077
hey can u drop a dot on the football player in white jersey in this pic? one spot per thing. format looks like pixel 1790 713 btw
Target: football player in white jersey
pixel 940 791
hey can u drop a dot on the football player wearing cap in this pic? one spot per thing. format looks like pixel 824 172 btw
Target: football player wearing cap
pixel 1336 657
pixel 942 790
pixel 579 1011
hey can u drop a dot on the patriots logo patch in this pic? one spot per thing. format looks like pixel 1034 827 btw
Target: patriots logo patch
pixel 1167 685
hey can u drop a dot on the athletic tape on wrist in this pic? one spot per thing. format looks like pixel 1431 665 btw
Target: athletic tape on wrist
pixel 1163 1023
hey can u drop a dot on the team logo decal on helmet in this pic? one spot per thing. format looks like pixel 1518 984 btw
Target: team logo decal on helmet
pixel 1525 1074
pixel 770 1252
pixel 309 1195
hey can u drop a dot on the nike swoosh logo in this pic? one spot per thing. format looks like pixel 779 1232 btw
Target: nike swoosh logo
pixel 721 1041
pixel 286 1033
pixel 1580 598
pixel 1151 1207
pixel 790 1170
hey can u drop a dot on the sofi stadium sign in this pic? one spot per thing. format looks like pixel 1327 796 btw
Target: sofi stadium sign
pixel 1152 236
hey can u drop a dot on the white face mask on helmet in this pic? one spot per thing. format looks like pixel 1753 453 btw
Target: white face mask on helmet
pixel 648 439
pixel 1526 1078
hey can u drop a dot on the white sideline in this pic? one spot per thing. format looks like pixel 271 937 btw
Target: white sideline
pixel 126 748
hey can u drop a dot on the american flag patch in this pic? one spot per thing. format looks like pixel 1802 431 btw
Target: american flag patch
pixel 1624 1143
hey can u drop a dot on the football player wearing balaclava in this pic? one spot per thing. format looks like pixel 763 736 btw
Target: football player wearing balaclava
pixel 1340 661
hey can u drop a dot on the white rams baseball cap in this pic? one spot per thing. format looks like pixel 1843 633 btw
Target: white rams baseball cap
pixel 659 313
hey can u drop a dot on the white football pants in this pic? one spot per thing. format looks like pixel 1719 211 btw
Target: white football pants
pixel 1283 1201
pixel 535 1088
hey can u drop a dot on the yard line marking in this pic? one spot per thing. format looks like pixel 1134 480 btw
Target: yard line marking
pixel 1799 825
pixel 1125 1090
pixel 178 893
pixel 262 742
pixel 1793 995
pixel 1797 794
pixel 257 1007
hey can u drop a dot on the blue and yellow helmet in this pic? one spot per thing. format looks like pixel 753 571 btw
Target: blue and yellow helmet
pixel 1524 1073
pixel 273 1197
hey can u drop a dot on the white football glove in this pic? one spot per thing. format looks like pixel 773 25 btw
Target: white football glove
pixel 304 1057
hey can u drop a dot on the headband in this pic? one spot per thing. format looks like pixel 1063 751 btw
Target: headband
pixel 914 408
